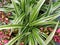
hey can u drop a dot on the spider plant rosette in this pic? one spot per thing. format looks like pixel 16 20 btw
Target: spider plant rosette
pixel 26 18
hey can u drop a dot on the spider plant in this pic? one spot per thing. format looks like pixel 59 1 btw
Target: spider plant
pixel 27 18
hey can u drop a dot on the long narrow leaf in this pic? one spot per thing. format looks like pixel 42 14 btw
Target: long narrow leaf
pixel 12 41
pixel 49 23
pixel 31 40
pixel 10 26
pixel 36 10
pixel 55 6
pixel 19 19
pixel 23 5
pixel 49 9
pixel 16 8
pixel 45 19
pixel 49 38
pixel 38 38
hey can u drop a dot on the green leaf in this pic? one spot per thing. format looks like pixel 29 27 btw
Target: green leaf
pixel 49 9
pixel 3 9
pixel 45 19
pixel 43 35
pixel 55 6
pixel 12 41
pixel 37 37
pixel 16 21
pixel 49 38
pixel 36 43
pixel 31 40
pixel 6 9
pixel 36 10
pixel 9 6
pixel 49 23
pixel 10 26
pixel 16 8
pixel 23 5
